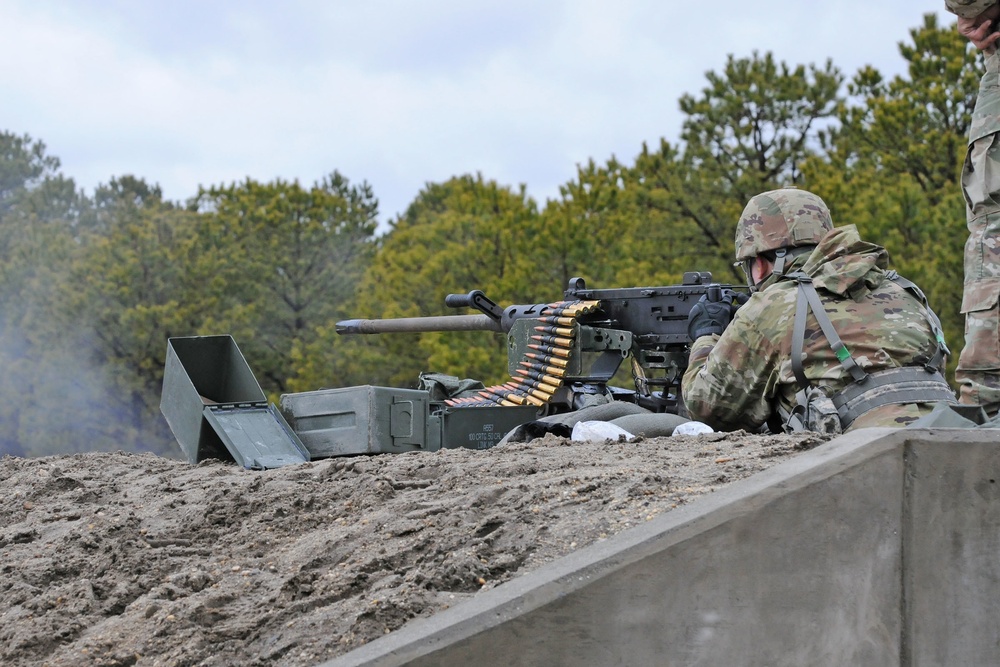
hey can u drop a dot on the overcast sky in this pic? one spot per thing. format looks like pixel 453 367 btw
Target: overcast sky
pixel 397 93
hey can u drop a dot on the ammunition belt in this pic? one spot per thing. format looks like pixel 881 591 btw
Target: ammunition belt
pixel 540 372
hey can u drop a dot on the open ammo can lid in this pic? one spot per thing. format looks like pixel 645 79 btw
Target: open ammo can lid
pixel 216 408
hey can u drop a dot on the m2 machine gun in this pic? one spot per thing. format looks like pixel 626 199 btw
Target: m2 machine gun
pixel 561 352
pixel 560 357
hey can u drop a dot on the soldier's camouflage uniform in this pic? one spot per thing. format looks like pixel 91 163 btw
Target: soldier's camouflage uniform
pixel 968 8
pixel 978 372
pixel 738 380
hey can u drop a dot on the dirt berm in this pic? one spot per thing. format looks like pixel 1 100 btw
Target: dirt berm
pixel 123 559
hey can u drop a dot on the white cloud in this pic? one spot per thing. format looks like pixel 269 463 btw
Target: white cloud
pixel 393 92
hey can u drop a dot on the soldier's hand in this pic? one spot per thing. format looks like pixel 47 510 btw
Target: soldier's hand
pixel 714 311
pixel 980 30
pixel 734 299
pixel 708 317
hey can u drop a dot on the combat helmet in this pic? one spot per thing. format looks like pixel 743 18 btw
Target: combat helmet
pixel 776 221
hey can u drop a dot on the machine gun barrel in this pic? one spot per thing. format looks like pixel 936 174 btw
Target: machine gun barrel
pixel 492 318
pixel 420 324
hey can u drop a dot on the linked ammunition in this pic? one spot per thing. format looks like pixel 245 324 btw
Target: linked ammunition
pixel 550 350
pixel 540 375
pixel 498 396
pixel 558 321
pixel 543 381
pixel 555 341
pixel 537 403
pixel 574 308
pixel 511 392
pixel 546 382
pixel 555 361
pixel 561 312
pixel 542 368
pixel 534 392
pixel 525 379
pixel 557 331
pixel 503 398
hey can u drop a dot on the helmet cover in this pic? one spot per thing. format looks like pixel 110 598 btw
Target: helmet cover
pixel 785 218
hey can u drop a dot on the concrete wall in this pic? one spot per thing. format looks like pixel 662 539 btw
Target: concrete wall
pixel 879 548
pixel 951 550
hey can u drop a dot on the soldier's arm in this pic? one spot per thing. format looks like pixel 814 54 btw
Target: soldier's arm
pixel 981 34
pixel 731 378
pixel 979 24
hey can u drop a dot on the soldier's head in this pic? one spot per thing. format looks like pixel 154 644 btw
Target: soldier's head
pixel 776 226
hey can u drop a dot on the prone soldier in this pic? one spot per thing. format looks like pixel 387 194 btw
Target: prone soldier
pixel 829 340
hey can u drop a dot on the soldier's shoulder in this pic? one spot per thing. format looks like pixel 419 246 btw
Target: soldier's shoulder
pixel 769 312
pixel 776 297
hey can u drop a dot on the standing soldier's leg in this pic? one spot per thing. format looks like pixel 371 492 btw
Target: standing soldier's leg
pixel 978 372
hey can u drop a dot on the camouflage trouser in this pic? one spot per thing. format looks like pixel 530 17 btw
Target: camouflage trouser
pixel 978 372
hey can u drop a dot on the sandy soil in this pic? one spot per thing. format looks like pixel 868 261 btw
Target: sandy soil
pixel 123 559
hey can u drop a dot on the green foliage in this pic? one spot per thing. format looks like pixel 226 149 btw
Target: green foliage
pixel 685 228
pixel 917 125
pixel 52 399
pixel 749 131
pixel 753 125
pixel 289 259
pixel 464 234
pixel 123 295
pixel 124 282
pixel 895 161
pixel 23 166
pixel 92 288
pixel 588 231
